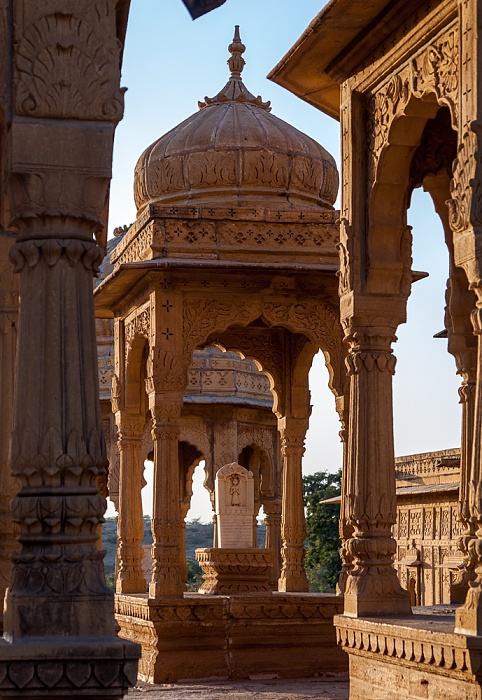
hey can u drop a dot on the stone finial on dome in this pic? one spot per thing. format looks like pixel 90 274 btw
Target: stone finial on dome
pixel 235 90
pixel 236 63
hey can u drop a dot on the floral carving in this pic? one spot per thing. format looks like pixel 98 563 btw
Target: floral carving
pixel 64 67
pixel 139 325
pixel 383 107
pixel 165 370
pixel 204 316
pixel 436 70
pixel 465 205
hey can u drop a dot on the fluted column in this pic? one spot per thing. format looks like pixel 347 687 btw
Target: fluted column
pixel 272 512
pixel 166 514
pixel 369 507
pixel 293 528
pixel 130 524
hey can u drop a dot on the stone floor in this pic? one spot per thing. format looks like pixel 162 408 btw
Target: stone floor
pixel 328 687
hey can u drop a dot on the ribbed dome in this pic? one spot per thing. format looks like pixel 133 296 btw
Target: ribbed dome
pixel 234 152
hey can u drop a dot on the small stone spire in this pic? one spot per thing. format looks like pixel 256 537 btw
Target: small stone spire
pixel 236 63
pixel 235 90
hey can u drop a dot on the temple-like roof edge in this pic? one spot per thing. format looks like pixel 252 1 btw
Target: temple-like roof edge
pixel 303 69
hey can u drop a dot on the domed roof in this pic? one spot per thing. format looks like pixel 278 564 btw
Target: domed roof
pixel 235 152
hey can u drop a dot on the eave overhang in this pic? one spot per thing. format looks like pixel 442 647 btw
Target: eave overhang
pixel 116 285
pixel 335 41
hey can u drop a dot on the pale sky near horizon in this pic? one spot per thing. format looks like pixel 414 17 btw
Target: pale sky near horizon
pixel 170 63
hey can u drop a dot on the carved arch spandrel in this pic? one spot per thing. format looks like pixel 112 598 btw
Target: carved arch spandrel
pixel 206 320
pixel 320 323
pixel 265 349
pixel 396 117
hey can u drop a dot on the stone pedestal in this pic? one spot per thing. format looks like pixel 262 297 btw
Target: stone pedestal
pixel 235 571
pixel 195 637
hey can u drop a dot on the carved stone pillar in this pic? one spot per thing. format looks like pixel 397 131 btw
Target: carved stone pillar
pixel 166 512
pixel 466 572
pixel 345 528
pixel 272 512
pixel 8 344
pixel 59 614
pixel 293 529
pixel 369 507
pixel 57 589
pixel 130 523
pixel 468 618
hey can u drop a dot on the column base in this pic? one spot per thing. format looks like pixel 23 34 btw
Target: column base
pixel 468 618
pixel 377 593
pixel 293 584
pixel 60 667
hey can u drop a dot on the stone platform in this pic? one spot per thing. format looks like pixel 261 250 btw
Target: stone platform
pixel 326 687
pixel 289 635
pixel 413 657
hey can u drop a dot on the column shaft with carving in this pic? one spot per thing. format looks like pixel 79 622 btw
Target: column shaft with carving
pixel 466 573
pixel 59 636
pixel 166 381
pixel 272 511
pixel 130 527
pixel 8 345
pixel 468 618
pixel 166 513
pixel 293 529
pixel 372 586
pixel 344 526
pixel 466 224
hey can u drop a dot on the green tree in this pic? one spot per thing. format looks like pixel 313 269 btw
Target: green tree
pixel 322 561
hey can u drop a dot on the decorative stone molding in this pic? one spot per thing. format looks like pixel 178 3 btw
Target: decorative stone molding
pixel 235 571
pixel 52 249
pixel 409 645
pixel 66 64
pixel 95 670
pixel 139 324
pixel 433 70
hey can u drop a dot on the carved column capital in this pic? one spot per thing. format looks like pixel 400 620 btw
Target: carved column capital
pixel 129 430
pixel 165 411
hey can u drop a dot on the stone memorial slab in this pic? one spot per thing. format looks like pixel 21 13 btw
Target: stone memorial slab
pixel 234 500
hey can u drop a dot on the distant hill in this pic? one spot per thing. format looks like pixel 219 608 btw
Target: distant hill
pixel 198 535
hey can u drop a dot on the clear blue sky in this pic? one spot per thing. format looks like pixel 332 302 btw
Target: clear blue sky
pixel 170 63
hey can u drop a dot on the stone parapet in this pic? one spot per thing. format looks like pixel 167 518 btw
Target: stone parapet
pixel 290 635
pixel 234 233
pixel 410 658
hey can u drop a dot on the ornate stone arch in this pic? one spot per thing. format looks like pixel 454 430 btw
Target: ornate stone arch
pixel 396 116
pixel 206 320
